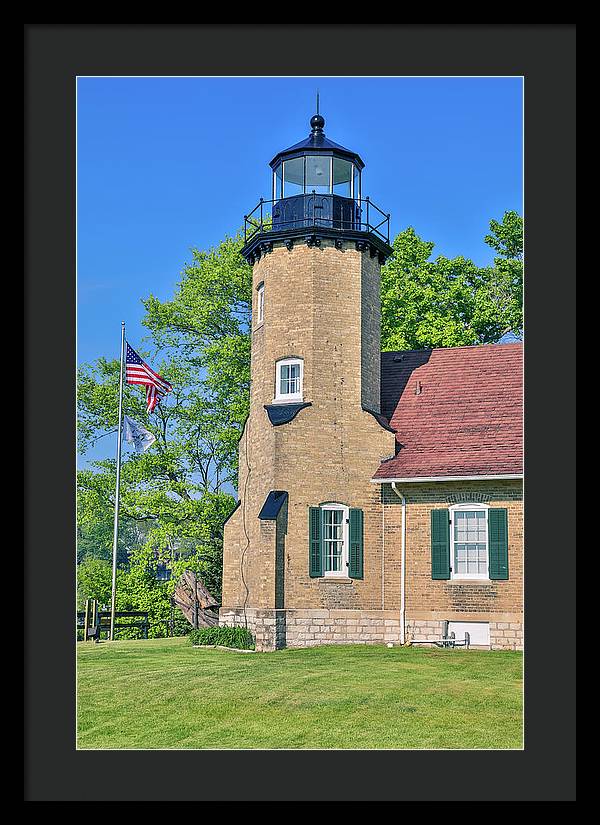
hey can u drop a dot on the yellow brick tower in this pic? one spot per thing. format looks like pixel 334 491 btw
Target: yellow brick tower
pixel 304 547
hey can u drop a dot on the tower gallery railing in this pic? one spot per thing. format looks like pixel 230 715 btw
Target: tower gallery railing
pixel 314 210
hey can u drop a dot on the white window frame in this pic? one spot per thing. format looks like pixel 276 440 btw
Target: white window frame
pixel 285 398
pixel 469 507
pixel 343 573
pixel 260 304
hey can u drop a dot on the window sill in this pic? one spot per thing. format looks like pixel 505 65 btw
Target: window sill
pixel 292 399
pixel 459 580
pixel 341 577
pixel 259 326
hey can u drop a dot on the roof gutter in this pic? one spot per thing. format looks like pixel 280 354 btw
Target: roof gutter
pixel 415 479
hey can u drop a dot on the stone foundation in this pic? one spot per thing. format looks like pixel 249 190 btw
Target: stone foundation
pixel 419 630
pixel 506 636
pixel 267 626
pixel 503 635
pixel 276 629
pixel 307 628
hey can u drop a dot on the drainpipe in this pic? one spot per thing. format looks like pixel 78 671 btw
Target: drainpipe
pixel 402 567
pixel 382 552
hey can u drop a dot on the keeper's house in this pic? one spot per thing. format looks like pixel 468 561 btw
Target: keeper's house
pixel 380 493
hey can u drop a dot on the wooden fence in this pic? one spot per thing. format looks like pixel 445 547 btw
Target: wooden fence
pixel 98 623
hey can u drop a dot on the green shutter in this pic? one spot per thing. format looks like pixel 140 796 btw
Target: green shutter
pixel 355 561
pixel 440 544
pixel 315 556
pixel 498 542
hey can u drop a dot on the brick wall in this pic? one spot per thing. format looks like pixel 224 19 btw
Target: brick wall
pixel 429 602
pixel 371 333
pixel 330 451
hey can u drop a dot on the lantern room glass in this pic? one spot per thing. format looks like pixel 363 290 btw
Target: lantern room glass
pixel 342 177
pixel 278 182
pixel 322 174
pixel 318 174
pixel 356 183
pixel 293 177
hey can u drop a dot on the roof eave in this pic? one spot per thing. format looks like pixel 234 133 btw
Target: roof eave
pixel 422 479
pixel 296 152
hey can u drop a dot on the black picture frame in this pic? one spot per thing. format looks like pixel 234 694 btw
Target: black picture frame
pixel 55 54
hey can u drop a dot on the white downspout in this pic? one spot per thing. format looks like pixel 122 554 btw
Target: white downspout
pixel 402 566
pixel 382 552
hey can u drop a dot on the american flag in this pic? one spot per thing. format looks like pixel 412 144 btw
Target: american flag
pixel 138 372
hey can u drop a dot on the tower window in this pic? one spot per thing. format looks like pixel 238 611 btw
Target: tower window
pixel 335 539
pixel 288 380
pixel 260 304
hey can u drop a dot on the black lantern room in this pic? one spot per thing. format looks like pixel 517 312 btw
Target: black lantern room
pixel 316 193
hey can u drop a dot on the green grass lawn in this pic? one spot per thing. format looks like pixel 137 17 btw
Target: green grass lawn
pixel 163 693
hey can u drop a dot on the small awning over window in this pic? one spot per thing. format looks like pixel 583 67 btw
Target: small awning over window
pixel 273 504
pixel 282 413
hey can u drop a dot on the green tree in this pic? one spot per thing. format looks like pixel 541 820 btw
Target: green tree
pixel 94 581
pixel 173 495
pixel 207 323
pixel 137 589
pixel 506 236
pixel 451 301
pixel 95 534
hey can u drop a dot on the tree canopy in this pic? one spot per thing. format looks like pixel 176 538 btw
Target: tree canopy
pixel 449 302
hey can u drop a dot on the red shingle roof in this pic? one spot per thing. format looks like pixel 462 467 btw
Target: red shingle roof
pixel 456 411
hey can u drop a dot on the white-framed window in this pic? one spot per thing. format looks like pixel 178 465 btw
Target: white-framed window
pixel 288 379
pixel 469 541
pixel 260 304
pixel 334 524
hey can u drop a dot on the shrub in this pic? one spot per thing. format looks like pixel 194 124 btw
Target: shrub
pixel 227 636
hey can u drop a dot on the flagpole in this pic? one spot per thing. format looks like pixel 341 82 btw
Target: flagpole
pixel 117 491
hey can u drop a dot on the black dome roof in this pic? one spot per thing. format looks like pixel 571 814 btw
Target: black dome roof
pixel 317 143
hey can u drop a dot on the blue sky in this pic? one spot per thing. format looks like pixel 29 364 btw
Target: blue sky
pixel 167 164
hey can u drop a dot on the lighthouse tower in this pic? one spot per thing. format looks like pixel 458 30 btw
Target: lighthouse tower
pixel 304 548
